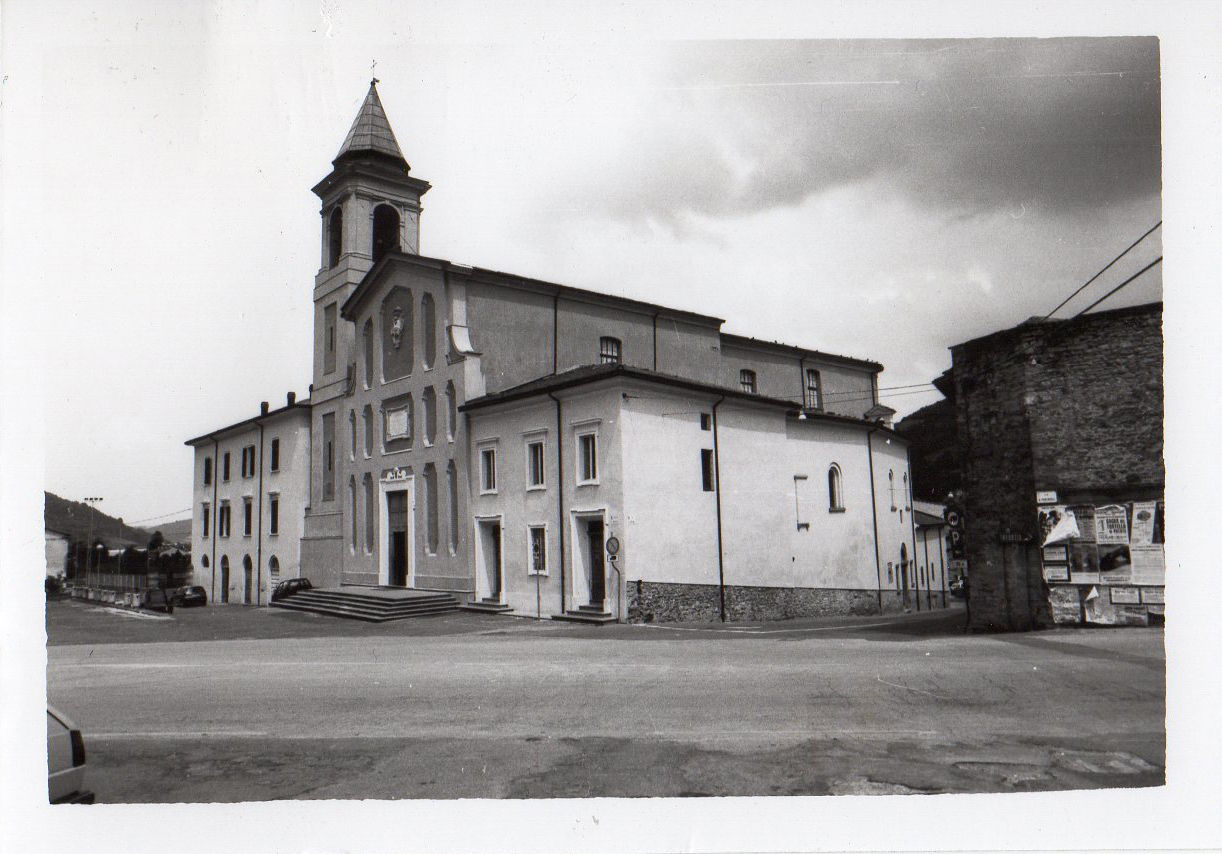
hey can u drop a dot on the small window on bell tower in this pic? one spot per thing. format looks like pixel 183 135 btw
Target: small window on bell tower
pixel 335 236
pixel 385 231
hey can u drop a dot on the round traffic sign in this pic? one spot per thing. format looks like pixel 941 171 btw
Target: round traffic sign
pixel 612 546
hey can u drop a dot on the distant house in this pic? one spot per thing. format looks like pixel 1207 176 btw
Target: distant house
pixel 57 552
pixel 931 555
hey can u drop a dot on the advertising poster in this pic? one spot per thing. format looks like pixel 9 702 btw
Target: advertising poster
pixel 1111 525
pixel 1115 564
pixel 1083 564
pixel 1066 605
pixel 1057 525
pixel 1153 596
pixel 1056 554
pixel 1056 572
pixel 1149 565
pixel 1143 523
pixel 1126 596
pixel 1085 514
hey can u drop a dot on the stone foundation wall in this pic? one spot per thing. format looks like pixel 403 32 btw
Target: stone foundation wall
pixel 661 602
pixel 320 560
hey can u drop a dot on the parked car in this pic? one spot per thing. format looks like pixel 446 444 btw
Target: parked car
pixel 157 600
pixel 65 761
pixel 958 587
pixel 290 586
pixel 189 596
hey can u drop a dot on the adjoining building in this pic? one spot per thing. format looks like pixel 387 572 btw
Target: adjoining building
pixel 1061 430
pixel 251 482
pixel 57 552
pixel 798 502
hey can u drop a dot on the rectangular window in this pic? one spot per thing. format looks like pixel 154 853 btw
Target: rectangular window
pixel 328 457
pixel 207 471
pixel 746 379
pixel 706 469
pixel 248 461
pixel 246 527
pixel 275 455
pixel 706 421
pixel 587 458
pixel 609 351
pixel 801 501
pixel 273 521
pixel 222 520
pixel 487 470
pixel 535 472
pixel 814 390
pixel 329 339
pixel 225 467
pixel 367 416
pixel 206 514
pixel 538 550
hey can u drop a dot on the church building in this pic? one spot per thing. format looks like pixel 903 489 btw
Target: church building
pixel 543 450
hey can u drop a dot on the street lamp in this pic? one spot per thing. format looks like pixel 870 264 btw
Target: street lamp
pixel 89 554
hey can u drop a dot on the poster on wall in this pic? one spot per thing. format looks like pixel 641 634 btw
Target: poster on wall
pixel 1143 523
pixel 1115 564
pixel 1111 525
pixel 1126 596
pixel 1056 554
pixel 1057 525
pixel 1153 595
pixel 1083 563
pixel 1056 572
pixel 1085 514
pixel 1149 565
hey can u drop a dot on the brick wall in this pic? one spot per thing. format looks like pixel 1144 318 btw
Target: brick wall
pixel 1074 406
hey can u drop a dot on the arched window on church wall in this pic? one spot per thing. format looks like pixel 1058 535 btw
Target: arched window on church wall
pixel 430 507
pixel 452 488
pixel 428 329
pixel 429 401
pixel 367 341
pixel 385 231
pixel 335 236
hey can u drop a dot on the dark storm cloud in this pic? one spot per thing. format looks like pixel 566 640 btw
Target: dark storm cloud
pixel 969 125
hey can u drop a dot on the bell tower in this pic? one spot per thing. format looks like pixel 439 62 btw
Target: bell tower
pixel 370 209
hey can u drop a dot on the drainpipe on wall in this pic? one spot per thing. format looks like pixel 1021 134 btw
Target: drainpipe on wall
pixel 878 564
pixel 216 510
pixel 655 340
pixel 721 568
pixel 912 521
pixel 560 491
pixel 802 381
pixel 555 334
pixel 259 546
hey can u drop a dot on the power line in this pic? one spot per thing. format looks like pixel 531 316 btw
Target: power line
pixel 1119 286
pixel 1104 270
pixel 885 388
pixel 162 516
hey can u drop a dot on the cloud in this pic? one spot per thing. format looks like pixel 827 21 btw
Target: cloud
pixel 969 126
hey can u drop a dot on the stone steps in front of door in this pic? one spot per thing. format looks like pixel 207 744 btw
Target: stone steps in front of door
pixel 590 614
pixel 486 606
pixel 370 605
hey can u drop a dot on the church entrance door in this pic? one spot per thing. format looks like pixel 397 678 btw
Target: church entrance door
pixel 397 522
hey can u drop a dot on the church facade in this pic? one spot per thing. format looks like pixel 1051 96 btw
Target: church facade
pixel 547 450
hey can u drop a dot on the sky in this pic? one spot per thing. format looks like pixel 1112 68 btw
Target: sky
pixel 883 199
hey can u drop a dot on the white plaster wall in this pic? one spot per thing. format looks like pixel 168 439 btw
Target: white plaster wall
pixel 507 429
pixel 671 521
pixel 894 526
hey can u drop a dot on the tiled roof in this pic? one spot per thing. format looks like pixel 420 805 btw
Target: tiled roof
pixel 371 130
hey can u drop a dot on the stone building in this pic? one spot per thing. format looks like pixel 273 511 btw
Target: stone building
pixel 424 370
pixel 1061 424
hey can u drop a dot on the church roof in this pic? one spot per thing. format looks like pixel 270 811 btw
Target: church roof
pixel 371 132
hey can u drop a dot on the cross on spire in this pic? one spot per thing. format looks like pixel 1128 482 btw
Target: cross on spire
pixel 373 81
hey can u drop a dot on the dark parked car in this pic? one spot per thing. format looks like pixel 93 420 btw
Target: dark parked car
pixel 157 600
pixel 189 596
pixel 958 587
pixel 290 586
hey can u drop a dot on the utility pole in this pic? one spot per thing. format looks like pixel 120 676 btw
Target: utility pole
pixel 89 554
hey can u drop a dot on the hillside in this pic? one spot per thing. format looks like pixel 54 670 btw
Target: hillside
pixel 934 450
pixel 72 518
pixel 175 532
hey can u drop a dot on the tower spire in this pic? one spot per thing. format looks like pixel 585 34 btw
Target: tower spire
pixel 370 132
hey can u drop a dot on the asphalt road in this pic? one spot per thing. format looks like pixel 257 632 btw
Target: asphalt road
pixel 475 706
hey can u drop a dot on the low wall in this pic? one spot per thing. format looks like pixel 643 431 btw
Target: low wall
pixel 661 602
